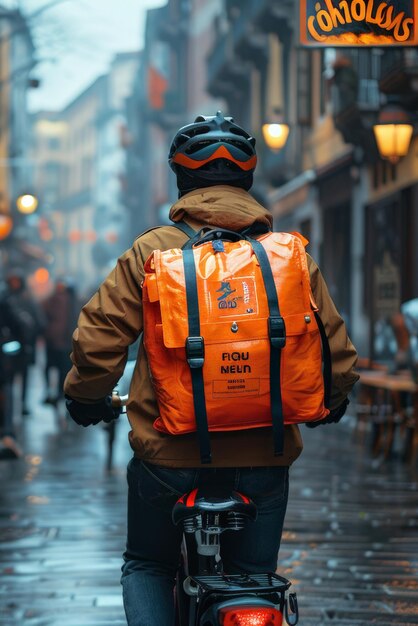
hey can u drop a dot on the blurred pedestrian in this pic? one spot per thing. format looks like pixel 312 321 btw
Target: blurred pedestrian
pixel 403 359
pixel 61 312
pixel 403 355
pixel 12 334
pixel 409 311
pixel 32 321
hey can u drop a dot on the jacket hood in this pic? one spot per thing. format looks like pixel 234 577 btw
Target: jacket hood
pixel 221 206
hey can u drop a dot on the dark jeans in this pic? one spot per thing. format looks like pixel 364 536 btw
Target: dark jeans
pixel 154 543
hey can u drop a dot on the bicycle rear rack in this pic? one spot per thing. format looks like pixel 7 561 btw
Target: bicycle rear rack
pixel 208 587
pixel 237 583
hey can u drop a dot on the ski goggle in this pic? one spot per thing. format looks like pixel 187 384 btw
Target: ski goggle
pixel 216 151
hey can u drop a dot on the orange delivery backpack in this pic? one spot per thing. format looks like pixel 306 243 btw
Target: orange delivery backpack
pixel 233 336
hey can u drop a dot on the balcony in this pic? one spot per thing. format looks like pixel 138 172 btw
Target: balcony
pixel 249 44
pixel 225 73
pixel 355 105
pixel 399 72
pixel 270 16
pixel 173 31
pixel 249 16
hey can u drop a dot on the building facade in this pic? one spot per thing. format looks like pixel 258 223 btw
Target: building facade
pixel 80 177
pixel 111 221
pixel 170 90
pixel 358 211
pixel 78 183
pixel 16 63
pixel 49 140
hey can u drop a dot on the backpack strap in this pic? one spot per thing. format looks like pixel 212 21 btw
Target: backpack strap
pixel 326 359
pixel 213 234
pixel 195 355
pixel 209 233
pixel 258 228
pixel 185 228
pixel 277 333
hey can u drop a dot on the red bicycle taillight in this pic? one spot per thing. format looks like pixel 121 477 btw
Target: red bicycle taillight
pixel 250 616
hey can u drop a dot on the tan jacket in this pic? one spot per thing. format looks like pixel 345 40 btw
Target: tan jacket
pixel 112 320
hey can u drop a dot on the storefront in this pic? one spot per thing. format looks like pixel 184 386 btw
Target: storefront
pixel 335 202
pixel 391 262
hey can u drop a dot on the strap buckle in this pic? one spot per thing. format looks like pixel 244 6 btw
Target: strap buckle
pixel 195 351
pixel 277 332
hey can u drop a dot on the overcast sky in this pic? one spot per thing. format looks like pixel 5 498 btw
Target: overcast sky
pixel 75 41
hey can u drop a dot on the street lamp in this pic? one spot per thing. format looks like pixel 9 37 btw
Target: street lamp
pixel 27 203
pixel 393 132
pixel 275 135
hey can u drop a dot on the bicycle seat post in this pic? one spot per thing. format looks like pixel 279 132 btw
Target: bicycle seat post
pixel 208 544
pixel 207 513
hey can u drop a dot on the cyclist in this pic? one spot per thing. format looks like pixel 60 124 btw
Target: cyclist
pixel 214 160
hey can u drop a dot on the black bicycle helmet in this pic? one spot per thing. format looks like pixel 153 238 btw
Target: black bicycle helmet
pixel 212 151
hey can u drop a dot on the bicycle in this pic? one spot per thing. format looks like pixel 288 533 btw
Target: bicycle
pixel 204 594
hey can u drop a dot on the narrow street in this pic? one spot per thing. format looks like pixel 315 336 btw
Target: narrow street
pixel 118 118
pixel 350 544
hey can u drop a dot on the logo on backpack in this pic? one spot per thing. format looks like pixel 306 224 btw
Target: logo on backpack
pixel 237 295
pixel 226 290
pixel 224 302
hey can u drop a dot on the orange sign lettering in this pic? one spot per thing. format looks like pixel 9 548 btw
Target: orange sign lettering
pixel 358 23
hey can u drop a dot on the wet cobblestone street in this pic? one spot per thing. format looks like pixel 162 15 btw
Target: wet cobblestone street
pixel 350 544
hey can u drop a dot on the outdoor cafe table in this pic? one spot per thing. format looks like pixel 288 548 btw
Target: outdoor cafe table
pixel 388 388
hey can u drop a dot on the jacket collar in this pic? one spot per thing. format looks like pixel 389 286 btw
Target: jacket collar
pixel 221 206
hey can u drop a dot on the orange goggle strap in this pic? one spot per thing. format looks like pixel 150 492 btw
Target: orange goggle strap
pixel 195 350
pixel 220 153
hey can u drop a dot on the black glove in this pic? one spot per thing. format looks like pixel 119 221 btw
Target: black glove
pixel 334 416
pixel 91 414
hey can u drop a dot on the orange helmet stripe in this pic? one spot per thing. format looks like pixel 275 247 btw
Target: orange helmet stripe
pixel 221 153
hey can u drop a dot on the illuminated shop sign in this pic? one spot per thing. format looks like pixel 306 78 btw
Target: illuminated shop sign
pixel 359 22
